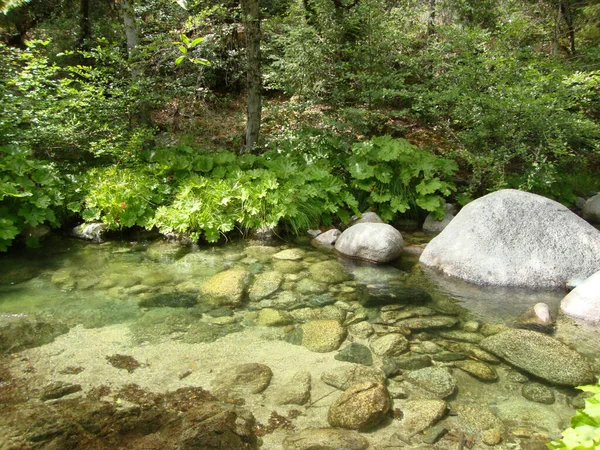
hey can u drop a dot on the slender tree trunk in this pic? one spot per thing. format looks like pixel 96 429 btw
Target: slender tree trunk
pixel 568 14
pixel 431 19
pixel 557 29
pixel 84 24
pixel 252 23
pixel 131 33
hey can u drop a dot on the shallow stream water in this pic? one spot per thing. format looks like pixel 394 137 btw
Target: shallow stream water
pixel 141 299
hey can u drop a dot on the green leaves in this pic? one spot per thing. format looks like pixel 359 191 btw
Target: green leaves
pixel 395 175
pixel 584 433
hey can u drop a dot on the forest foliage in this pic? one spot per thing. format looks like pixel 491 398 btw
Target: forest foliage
pixel 368 105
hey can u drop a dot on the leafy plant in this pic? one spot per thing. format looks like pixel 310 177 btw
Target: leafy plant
pixel 394 175
pixel 30 190
pixel 584 433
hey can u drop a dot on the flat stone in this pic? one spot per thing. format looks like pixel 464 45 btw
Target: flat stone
pixel 325 439
pixel 435 380
pixel 478 369
pixel 360 407
pixel 418 415
pixel 356 353
pixel 361 330
pixel 329 272
pixel 58 389
pixel 423 323
pixel 291 254
pixel 446 356
pixel 226 288
pixel 295 391
pixel 434 434
pixel 310 286
pixel 344 377
pixel 323 335
pixel 538 393
pixel 474 419
pixel 264 285
pixel 386 294
pixel 542 356
pixel 240 380
pixel 270 317
pixel 462 336
pixel 389 345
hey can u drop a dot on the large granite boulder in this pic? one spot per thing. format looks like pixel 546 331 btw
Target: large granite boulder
pixel 583 302
pixel 540 355
pixel 375 242
pixel 513 238
pixel 591 209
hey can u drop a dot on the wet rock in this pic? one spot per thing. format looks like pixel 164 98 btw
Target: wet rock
pixel 433 225
pixel 434 434
pixel 361 330
pixel 322 300
pixel 514 238
pixel 329 272
pixel 270 317
pixel 472 326
pixel 264 285
pixel 309 286
pixel 287 299
pixel 295 391
pixel 446 356
pixel 472 350
pixel 418 415
pixel 583 302
pixel 327 238
pixel 172 300
pixel 58 389
pixel 391 294
pixel 329 312
pixel 538 393
pixel 347 376
pixel 226 288
pixel 491 437
pixel 355 353
pixel 489 329
pixel 517 377
pixel 325 439
pixel 323 335
pixel 401 363
pixel 478 369
pixel 291 254
pixel 474 419
pixel 540 355
pixel 250 378
pixel 360 407
pixel 375 242
pixel 288 267
pixel 165 251
pixel 536 318
pixel 424 323
pixel 406 313
pixel 462 336
pixel 366 217
pixel 93 231
pixel 18 332
pixel 389 345
pixel 435 380
pixel 426 347
pixel 591 209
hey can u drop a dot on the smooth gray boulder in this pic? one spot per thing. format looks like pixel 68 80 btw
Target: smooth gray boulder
pixel 583 302
pixel 540 355
pixel 591 209
pixel 327 238
pixel 433 225
pixel 366 217
pixel 514 238
pixel 375 242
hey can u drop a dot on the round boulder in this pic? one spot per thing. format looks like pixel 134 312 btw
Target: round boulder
pixel 514 238
pixel 583 302
pixel 433 225
pixel 360 407
pixel 591 209
pixel 375 242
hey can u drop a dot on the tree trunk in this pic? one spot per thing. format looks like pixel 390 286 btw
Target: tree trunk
pixel 568 14
pixel 557 29
pixel 431 19
pixel 131 33
pixel 84 24
pixel 252 24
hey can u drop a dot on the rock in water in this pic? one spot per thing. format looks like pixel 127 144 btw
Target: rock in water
pixel 432 225
pixel 361 407
pixel 540 355
pixel 514 238
pixel 583 302
pixel 251 378
pixel 325 439
pixel 323 335
pixel 375 242
pixel 225 288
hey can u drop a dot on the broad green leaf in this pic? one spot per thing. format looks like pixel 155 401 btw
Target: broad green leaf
pixel 179 60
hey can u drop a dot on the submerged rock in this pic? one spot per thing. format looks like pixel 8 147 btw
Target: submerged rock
pixel 330 272
pixel 478 369
pixel 537 318
pixel 381 295
pixel 433 379
pixel 18 332
pixel 375 242
pixel 290 254
pixel 351 374
pixel 392 344
pixel 323 335
pixel 419 415
pixel 538 393
pixel 540 355
pixel 295 391
pixel 360 407
pixel 251 378
pixel 226 288
pixel 355 353
pixel 264 285
pixel 325 439
pixel 514 238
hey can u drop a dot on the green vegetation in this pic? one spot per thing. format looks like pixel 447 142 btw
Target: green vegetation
pixel 584 433
pixel 132 114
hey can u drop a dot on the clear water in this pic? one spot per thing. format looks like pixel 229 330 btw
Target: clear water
pixel 151 287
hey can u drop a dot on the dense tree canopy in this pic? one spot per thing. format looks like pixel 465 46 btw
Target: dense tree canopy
pixel 134 113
